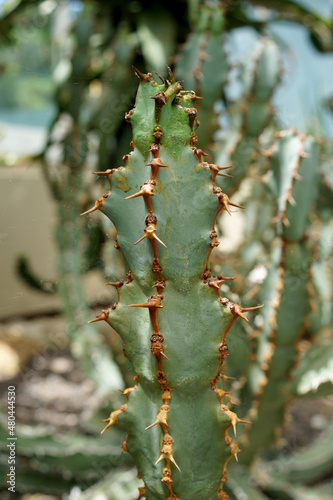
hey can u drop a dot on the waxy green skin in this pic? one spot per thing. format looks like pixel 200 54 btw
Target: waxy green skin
pixel 294 183
pixel 203 65
pixel 192 320
pixel 250 114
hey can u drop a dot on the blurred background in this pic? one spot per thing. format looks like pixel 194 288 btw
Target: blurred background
pixel 65 84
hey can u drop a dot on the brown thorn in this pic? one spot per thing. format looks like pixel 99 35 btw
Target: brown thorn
pixel 198 153
pixel 216 285
pixel 145 190
pixel 142 492
pixel 160 286
pixel 225 175
pixel 98 203
pixel 235 205
pixel 224 278
pixel 156 162
pixel 163 80
pixel 164 355
pixel 216 170
pixel 124 445
pixel 143 77
pixel 146 305
pixel 161 417
pixel 171 76
pixel 174 462
pixel 227 329
pixel 291 200
pixel 160 100
pixel 160 241
pixel 98 206
pixel 297 176
pixel 117 285
pixel 161 457
pixel 141 239
pixel 113 418
pixel 150 232
pixel 104 316
pixel 196 98
pixel 155 150
pixel 108 173
pixel 156 423
pixel 167 456
pixel 225 377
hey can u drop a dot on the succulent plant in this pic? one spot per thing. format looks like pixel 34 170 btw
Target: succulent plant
pixel 176 337
pixel 172 312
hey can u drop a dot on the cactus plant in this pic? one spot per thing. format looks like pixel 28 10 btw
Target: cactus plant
pixel 174 198
pixel 176 337
pixel 295 180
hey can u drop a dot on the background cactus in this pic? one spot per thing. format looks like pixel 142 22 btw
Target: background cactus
pixel 278 355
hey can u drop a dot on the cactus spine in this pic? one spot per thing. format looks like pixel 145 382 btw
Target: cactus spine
pixel 170 314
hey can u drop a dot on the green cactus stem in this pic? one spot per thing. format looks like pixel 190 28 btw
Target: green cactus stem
pixel 170 315
pixel 202 65
pixel 252 113
pixel 294 182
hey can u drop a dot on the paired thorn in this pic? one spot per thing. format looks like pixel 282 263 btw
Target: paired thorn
pixel 216 170
pixel 169 457
pixel 150 233
pixel 161 418
pixel 233 418
pixel 167 451
pixel 215 284
pixel 156 162
pixel 98 204
pixel 113 418
pixel 199 154
pixel 234 448
pixel 224 201
pixel 104 316
pixel 145 190
pixel 194 97
pixel 151 303
pixel 127 392
pixel 236 311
